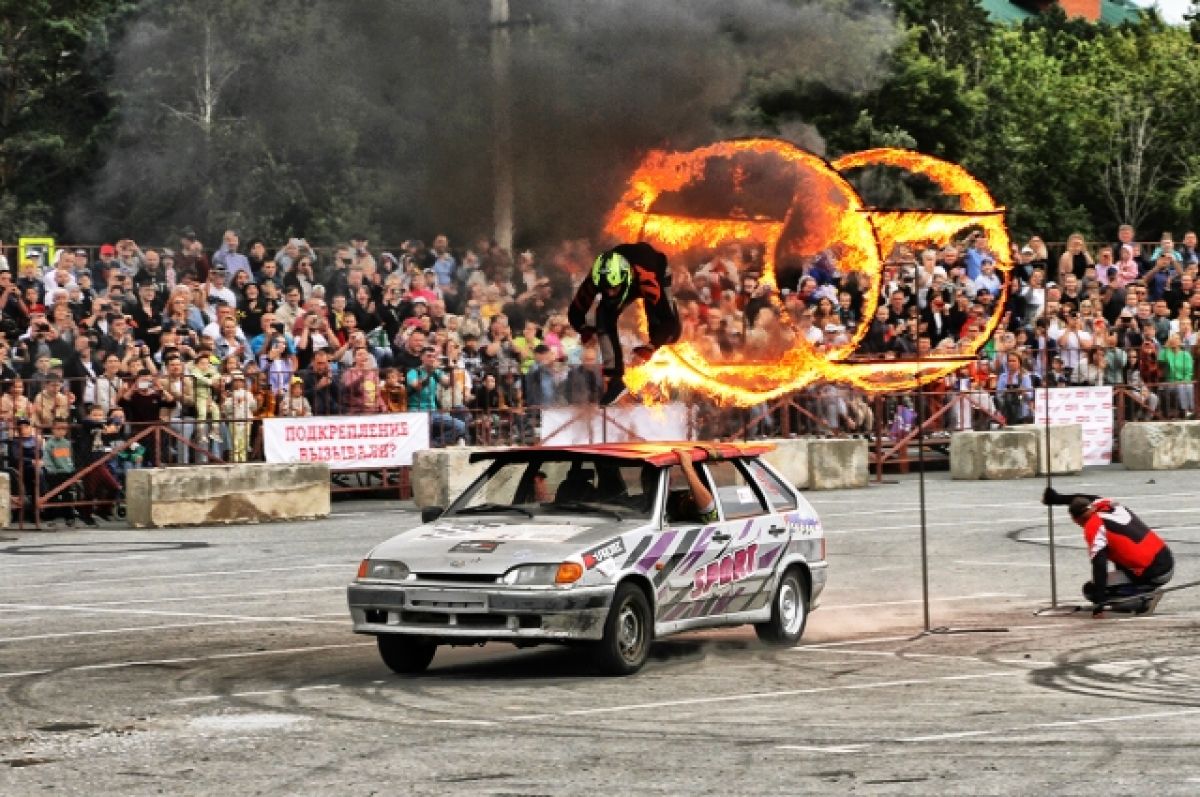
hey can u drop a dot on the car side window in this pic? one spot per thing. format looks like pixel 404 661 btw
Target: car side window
pixel 734 491
pixel 778 494
pixel 680 507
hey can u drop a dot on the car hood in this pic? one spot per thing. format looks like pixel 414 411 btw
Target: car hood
pixel 469 546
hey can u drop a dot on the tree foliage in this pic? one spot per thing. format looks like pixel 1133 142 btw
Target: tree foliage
pixel 320 117
pixel 55 60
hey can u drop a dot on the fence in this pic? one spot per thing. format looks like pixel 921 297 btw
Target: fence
pixel 900 428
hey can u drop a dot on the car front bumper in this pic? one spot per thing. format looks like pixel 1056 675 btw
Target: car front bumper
pixel 480 614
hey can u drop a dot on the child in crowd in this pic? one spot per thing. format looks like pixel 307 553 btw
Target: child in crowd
pixel 294 404
pixel 204 377
pixel 58 465
pixel 239 410
pixel 394 392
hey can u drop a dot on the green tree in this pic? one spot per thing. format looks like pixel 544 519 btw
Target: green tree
pixel 54 104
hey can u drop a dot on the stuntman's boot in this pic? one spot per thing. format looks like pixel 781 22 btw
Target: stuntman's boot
pixel 615 387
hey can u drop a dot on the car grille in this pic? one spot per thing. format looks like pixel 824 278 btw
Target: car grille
pixel 459 578
pixel 438 620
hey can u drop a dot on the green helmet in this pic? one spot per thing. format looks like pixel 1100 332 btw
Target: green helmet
pixel 612 270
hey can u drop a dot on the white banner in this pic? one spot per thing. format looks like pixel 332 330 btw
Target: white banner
pixel 572 426
pixel 348 442
pixel 1092 407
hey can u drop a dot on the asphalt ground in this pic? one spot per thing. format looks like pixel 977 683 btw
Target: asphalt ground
pixel 220 660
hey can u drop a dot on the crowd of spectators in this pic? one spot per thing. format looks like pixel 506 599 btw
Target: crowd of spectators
pixel 209 340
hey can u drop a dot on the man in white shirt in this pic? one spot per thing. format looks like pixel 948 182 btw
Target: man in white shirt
pixel 218 290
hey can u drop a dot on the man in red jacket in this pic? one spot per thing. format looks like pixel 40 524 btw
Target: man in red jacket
pixel 1142 562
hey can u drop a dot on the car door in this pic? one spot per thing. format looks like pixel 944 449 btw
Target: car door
pixel 731 576
pixel 680 581
pixel 785 515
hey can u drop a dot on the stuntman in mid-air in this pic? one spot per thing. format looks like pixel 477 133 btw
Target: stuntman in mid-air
pixel 620 276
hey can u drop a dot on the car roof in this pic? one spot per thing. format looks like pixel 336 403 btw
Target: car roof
pixel 656 453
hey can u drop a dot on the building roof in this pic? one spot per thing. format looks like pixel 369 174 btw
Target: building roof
pixel 1114 12
pixel 1110 12
pixel 1005 12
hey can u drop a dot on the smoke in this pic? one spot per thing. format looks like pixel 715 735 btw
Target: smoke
pixel 323 118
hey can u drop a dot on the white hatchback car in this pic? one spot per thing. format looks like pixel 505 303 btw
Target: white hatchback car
pixel 594 544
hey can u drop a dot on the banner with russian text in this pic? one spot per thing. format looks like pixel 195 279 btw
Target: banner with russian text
pixel 348 442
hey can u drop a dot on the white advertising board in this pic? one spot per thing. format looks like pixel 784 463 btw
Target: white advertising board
pixel 1092 407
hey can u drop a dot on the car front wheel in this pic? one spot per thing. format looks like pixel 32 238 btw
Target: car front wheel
pixel 627 633
pixel 405 655
pixel 789 612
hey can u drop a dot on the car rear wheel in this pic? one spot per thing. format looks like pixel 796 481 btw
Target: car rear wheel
pixel 627 633
pixel 789 612
pixel 405 655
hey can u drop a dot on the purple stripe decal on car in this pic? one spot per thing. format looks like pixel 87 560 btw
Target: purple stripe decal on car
pixel 656 551
pixel 698 551
pixel 768 557
pixel 723 604
pixel 746 530
pixel 675 612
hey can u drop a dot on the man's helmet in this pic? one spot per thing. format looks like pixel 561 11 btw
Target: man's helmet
pixel 612 270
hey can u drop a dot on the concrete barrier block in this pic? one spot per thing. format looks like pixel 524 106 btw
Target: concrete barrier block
pixel 1066 448
pixel 1167 445
pixel 1003 454
pixel 837 464
pixel 790 458
pixel 225 494
pixel 439 475
pixel 5 500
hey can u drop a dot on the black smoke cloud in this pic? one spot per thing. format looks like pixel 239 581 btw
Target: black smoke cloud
pixel 378 116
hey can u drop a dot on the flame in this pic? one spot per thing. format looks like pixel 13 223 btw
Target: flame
pixel 825 214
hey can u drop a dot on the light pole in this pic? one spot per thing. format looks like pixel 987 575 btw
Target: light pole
pixel 502 124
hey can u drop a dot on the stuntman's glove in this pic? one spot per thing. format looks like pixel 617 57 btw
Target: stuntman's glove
pixel 586 334
pixel 1051 497
pixel 1098 610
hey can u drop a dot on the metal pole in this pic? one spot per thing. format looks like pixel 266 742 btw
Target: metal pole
pixel 1049 483
pixel 921 485
pixel 502 123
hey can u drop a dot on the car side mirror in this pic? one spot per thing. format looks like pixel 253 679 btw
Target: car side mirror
pixel 431 513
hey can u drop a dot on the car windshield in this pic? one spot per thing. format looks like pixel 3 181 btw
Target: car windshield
pixel 607 487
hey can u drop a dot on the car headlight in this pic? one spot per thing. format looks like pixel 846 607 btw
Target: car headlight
pixel 383 569
pixel 565 573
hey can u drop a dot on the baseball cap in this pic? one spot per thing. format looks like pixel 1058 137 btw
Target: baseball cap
pixel 107 249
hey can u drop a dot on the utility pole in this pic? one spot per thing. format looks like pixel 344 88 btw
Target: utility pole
pixel 502 124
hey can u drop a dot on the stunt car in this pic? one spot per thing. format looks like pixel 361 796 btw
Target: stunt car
pixel 596 545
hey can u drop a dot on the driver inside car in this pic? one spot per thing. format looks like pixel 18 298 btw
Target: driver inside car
pixel 694 504
pixel 576 487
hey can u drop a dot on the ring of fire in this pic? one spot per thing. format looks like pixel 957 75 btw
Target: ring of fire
pixel 825 213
